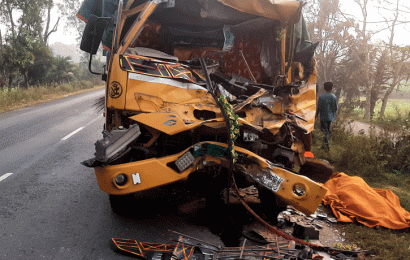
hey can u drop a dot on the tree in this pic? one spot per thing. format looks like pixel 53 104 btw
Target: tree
pixel 399 57
pixel 62 70
pixel 40 69
pixel 26 43
pixel 69 9
pixel 349 55
pixel 364 35
pixel 48 30
pixel 331 29
pixel 17 58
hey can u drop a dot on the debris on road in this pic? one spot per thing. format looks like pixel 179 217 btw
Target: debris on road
pixel 187 247
pixel 192 248
pixel 305 231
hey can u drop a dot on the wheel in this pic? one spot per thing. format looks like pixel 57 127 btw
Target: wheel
pixel 270 206
pixel 124 205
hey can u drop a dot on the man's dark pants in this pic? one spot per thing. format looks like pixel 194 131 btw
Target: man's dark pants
pixel 325 127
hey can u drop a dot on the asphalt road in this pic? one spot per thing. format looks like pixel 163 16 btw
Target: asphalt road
pixel 50 205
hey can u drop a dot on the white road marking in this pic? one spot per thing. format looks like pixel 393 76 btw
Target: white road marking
pixel 72 133
pixel 81 128
pixel 5 176
pixel 92 121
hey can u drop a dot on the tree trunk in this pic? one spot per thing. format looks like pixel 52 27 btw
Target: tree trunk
pixel 10 13
pixel 367 105
pixel 386 99
pixel 396 76
pixel 25 74
pixel 373 99
pixel 338 93
pixel 47 31
pixel 384 105
pixel 10 80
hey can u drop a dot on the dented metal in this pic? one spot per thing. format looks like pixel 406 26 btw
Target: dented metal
pixel 162 122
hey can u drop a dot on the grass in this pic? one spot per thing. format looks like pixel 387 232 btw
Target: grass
pixel 11 99
pixel 382 243
pixel 394 108
pixel 405 87
pixel 382 163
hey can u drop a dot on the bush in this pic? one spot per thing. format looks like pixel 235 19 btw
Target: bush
pixel 17 97
pixel 367 156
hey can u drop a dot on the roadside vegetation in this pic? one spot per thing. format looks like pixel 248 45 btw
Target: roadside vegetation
pixel 14 98
pixel 29 72
pixel 383 162
pixel 59 77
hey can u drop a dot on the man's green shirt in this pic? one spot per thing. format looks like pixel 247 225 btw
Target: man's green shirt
pixel 327 107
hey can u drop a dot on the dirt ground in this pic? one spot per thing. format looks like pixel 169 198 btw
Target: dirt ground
pixel 363 128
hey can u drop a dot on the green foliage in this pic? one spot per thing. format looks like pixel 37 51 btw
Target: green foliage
pixel 42 63
pixel 11 98
pixel 397 111
pixel 26 58
pixel 30 63
pixel 368 156
pixel 62 70
pixel 17 56
pixel 233 122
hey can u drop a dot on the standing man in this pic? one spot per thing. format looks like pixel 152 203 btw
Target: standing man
pixel 326 108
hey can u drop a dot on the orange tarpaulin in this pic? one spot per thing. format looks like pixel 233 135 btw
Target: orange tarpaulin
pixel 352 199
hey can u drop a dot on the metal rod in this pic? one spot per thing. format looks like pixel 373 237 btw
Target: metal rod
pixel 243 247
pixel 272 249
pixel 196 245
pixel 194 238
pixel 137 27
pixel 277 245
pixel 248 68
pixel 259 256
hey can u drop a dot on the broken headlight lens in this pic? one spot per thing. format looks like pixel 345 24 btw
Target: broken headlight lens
pixel 115 142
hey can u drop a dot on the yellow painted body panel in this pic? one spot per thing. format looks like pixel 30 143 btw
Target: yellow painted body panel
pixel 165 122
pixel 154 173
pixel 144 100
pixel 116 88
pixel 304 105
pixel 307 203
pixel 140 93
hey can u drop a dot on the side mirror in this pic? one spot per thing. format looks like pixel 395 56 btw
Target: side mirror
pixel 93 34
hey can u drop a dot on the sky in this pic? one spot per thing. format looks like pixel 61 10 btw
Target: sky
pixel 62 35
pixel 402 32
pixel 401 38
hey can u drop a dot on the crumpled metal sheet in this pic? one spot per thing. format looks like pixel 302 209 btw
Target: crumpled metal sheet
pixel 284 10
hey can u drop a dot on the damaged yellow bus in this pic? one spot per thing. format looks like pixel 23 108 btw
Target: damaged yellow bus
pixel 222 92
